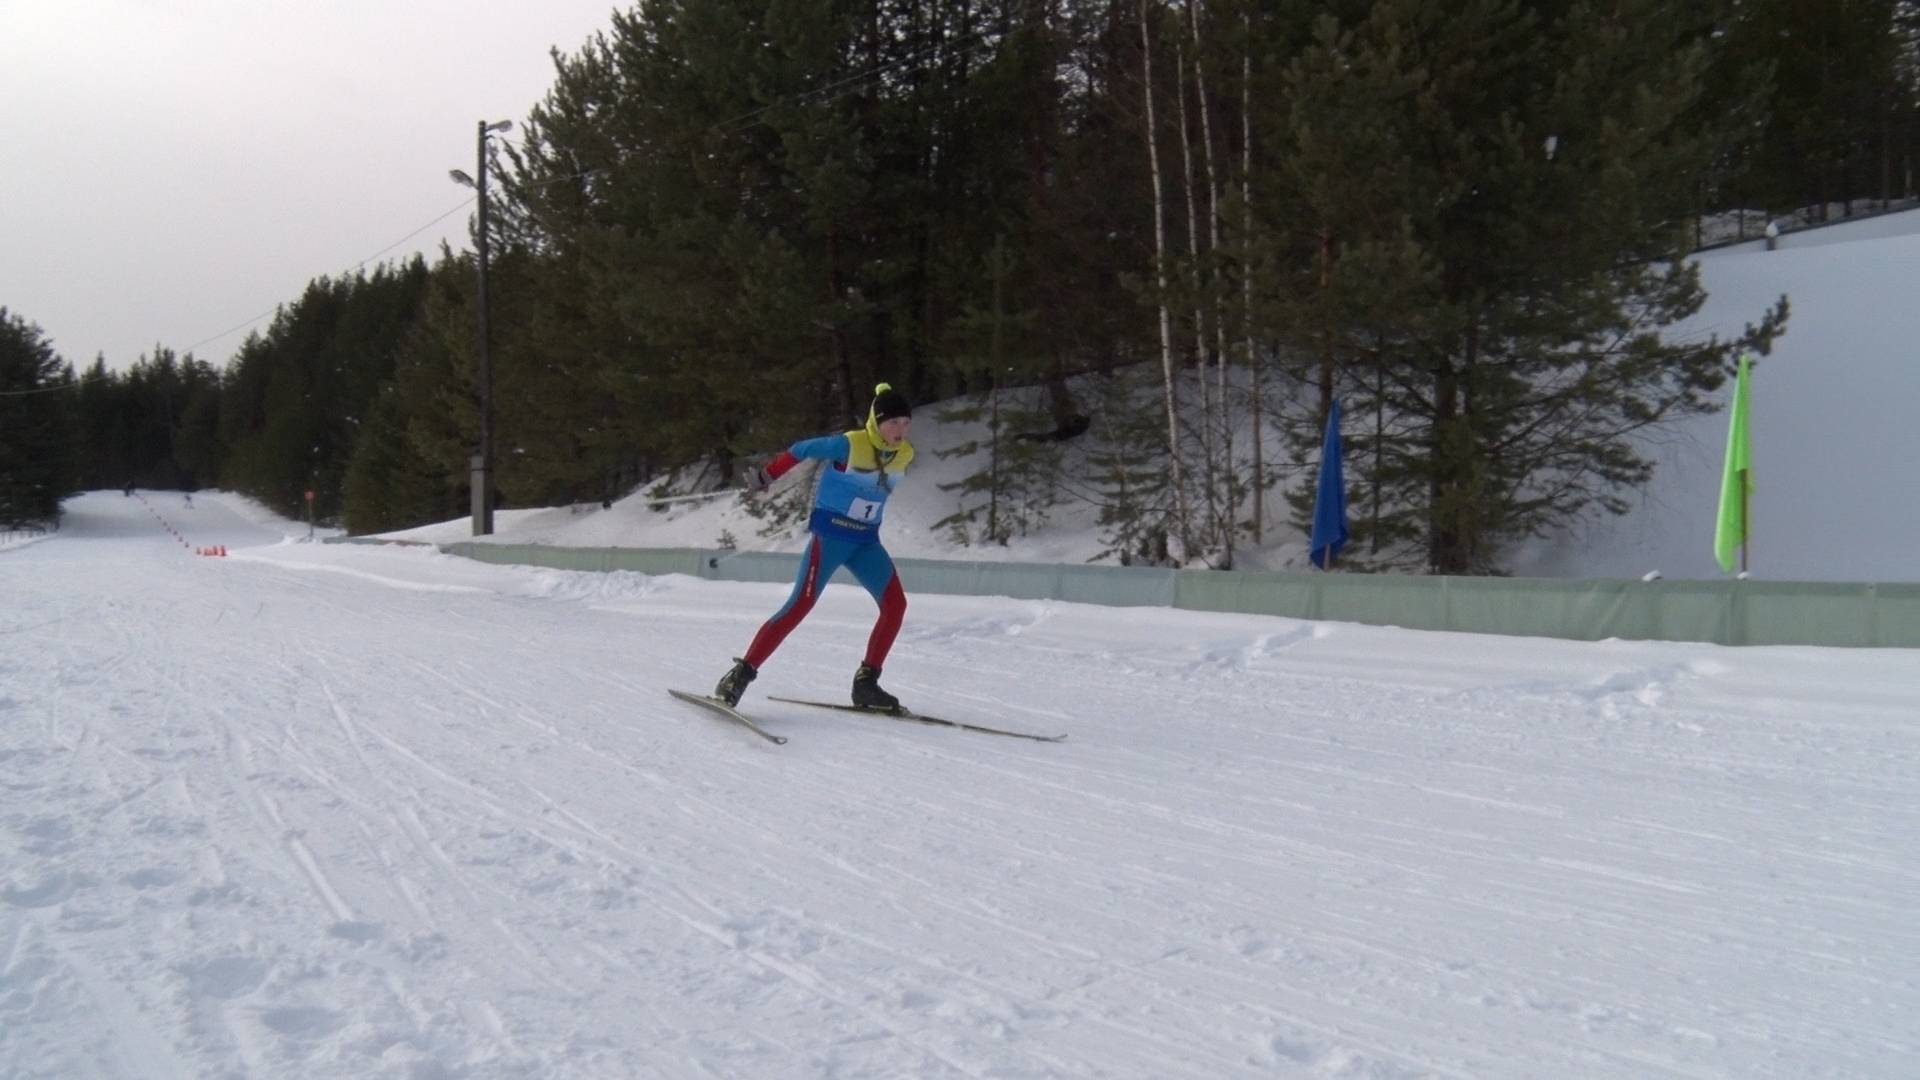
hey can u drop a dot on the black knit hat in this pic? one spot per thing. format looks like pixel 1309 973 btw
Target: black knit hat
pixel 889 403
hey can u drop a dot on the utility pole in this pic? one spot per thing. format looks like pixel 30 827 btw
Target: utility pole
pixel 482 462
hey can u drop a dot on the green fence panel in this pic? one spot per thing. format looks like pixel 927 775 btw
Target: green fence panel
pixel 763 566
pixel 1833 613
pixel 1244 593
pixel 1119 586
pixel 1854 614
pixel 1378 600
pixel 1684 611
pixel 1480 605
pixel 637 560
pixel 1896 614
pixel 1022 581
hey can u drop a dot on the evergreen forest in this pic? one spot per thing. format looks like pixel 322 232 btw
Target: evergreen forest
pixel 1166 235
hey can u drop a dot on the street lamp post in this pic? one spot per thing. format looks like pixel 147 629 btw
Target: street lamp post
pixel 482 463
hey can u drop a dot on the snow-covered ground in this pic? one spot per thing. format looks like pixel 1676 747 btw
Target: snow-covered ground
pixel 337 811
pixel 329 811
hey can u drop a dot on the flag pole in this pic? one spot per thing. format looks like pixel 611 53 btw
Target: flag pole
pixel 1746 525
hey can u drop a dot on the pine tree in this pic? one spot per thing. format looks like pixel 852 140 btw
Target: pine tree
pixel 1021 480
pixel 388 485
pixel 654 176
pixel 751 213
pixel 36 425
pixel 102 431
pixel 1507 185
pixel 410 464
pixel 1126 466
pixel 294 401
pixel 197 448
pixel 1841 114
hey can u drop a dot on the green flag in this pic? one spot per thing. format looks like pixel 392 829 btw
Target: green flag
pixel 1736 482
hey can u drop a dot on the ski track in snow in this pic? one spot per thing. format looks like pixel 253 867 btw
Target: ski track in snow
pixel 344 813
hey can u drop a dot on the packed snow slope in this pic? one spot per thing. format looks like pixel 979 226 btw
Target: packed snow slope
pixel 327 811
pixel 1832 423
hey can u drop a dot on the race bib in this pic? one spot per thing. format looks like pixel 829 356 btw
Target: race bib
pixel 863 510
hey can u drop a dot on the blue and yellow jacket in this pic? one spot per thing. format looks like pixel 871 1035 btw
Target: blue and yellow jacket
pixel 864 471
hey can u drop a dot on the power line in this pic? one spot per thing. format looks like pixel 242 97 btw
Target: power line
pixel 231 330
pixel 55 389
pixel 464 203
pixel 833 91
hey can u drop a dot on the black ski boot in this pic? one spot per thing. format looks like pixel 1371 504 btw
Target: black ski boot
pixel 867 693
pixel 734 683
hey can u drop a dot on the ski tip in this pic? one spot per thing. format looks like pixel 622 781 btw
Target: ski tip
pixel 716 705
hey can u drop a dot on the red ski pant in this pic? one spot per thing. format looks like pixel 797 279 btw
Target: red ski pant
pixel 870 565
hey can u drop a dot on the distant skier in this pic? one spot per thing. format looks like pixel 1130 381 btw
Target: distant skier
pixel 189 498
pixel 866 464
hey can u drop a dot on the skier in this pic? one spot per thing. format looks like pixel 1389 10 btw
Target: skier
pixel 866 466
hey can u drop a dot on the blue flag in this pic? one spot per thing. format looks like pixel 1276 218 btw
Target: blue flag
pixel 1330 501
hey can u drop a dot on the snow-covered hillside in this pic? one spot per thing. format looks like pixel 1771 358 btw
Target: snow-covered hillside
pixel 326 811
pixel 1831 430
pixel 1832 423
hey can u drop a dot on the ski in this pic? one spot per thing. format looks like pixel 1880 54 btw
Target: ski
pixel 904 713
pixel 716 705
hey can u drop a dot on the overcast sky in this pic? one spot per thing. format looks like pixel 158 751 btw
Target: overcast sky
pixel 170 169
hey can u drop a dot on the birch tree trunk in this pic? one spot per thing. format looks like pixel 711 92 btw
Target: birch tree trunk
pixel 1208 464
pixel 1000 269
pixel 1223 518
pixel 1255 368
pixel 1160 279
